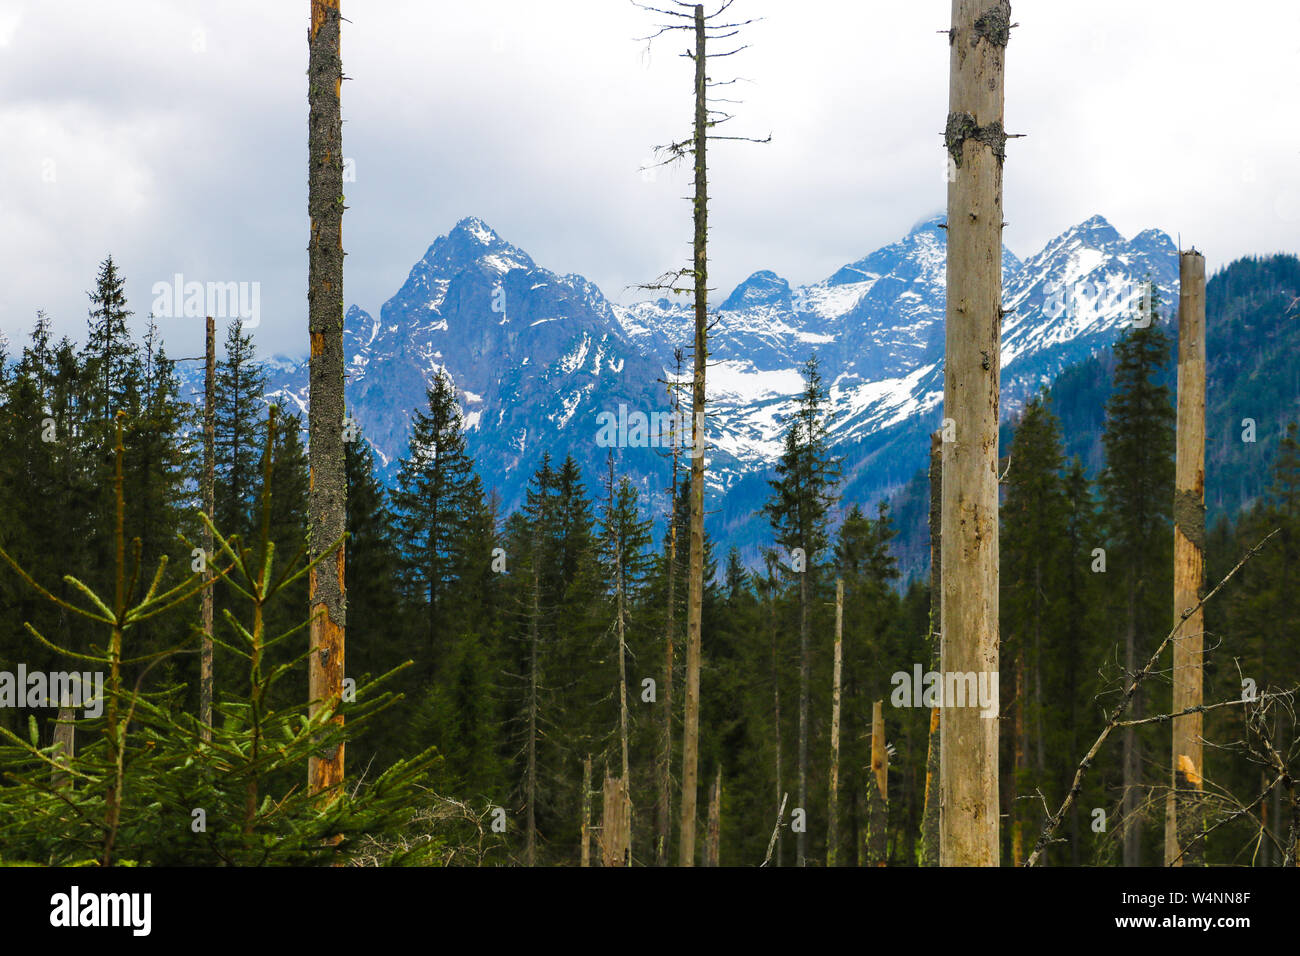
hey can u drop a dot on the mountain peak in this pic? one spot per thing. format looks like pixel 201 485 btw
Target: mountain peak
pixel 478 230
pixel 1098 225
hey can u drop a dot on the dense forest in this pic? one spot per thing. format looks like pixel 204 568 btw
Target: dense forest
pixel 504 664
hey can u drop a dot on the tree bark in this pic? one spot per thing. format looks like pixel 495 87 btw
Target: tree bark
pixel 695 602
pixel 930 812
pixel 878 795
pixel 713 836
pixel 585 829
pixel 616 824
pixel 832 812
pixel 1189 564
pixel 328 492
pixel 968 778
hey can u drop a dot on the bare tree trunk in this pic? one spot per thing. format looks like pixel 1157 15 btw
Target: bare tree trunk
pixel 328 492
pixel 832 813
pixel 878 790
pixel 713 835
pixel 530 784
pixel 801 838
pixel 1132 754
pixel 1017 765
pixel 664 807
pixel 781 795
pixel 65 743
pixel 209 504
pixel 616 825
pixel 695 602
pixel 930 812
pixel 585 829
pixel 1189 563
pixel 968 777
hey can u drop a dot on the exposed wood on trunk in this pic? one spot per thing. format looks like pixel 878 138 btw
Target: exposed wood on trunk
pixel 1018 766
pixel 616 823
pixel 713 836
pixel 930 812
pixel 695 600
pixel 968 771
pixel 832 812
pixel 328 486
pixel 1188 817
pixel 585 829
pixel 209 503
pixel 878 790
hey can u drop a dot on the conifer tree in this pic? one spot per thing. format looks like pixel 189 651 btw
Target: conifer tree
pixel 435 494
pixel 1137 490
pixel 798 511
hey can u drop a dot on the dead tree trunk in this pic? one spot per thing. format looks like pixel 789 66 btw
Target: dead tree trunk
pixel 695 600
pixel 65 743
pixel 805 693
pixel 585 829
pixel 209 499
pixel 878 790
pixel 616 825
pixel 1189 563
pixel 530 784
pixel 832 812
pixel 328 492
pixel 930 813
pixel 664 807
pixel 713 835
pixel 976 141
pixel 781 795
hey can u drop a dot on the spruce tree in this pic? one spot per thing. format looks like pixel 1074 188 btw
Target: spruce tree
pixel 1137 491
pixel 798 511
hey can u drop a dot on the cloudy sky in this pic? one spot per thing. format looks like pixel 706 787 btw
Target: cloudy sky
pixel 172 133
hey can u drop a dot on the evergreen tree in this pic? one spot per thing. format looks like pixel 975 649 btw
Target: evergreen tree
pixel 1137 491
pixel 798 511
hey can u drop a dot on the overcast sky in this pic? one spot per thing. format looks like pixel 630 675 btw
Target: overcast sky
pixel 172 133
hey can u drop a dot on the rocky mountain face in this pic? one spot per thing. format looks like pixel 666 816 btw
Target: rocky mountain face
pixel 541 361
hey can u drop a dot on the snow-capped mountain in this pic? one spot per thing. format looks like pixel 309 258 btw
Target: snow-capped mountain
pixel 537 357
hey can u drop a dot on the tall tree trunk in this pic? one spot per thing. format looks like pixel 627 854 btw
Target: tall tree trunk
pixel 713 834
pixel 801 838
pixel 664 806
pixel 585 829
pixel 209 503
pixel 695 603
pixel 930 812
pixel 832 813
pixel 530 783
pixel 328 493
pixel 968 777
pixel 1189 562
pixel 1018 765
pixel 1132 754
pixel 878 790
pixel 776 723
